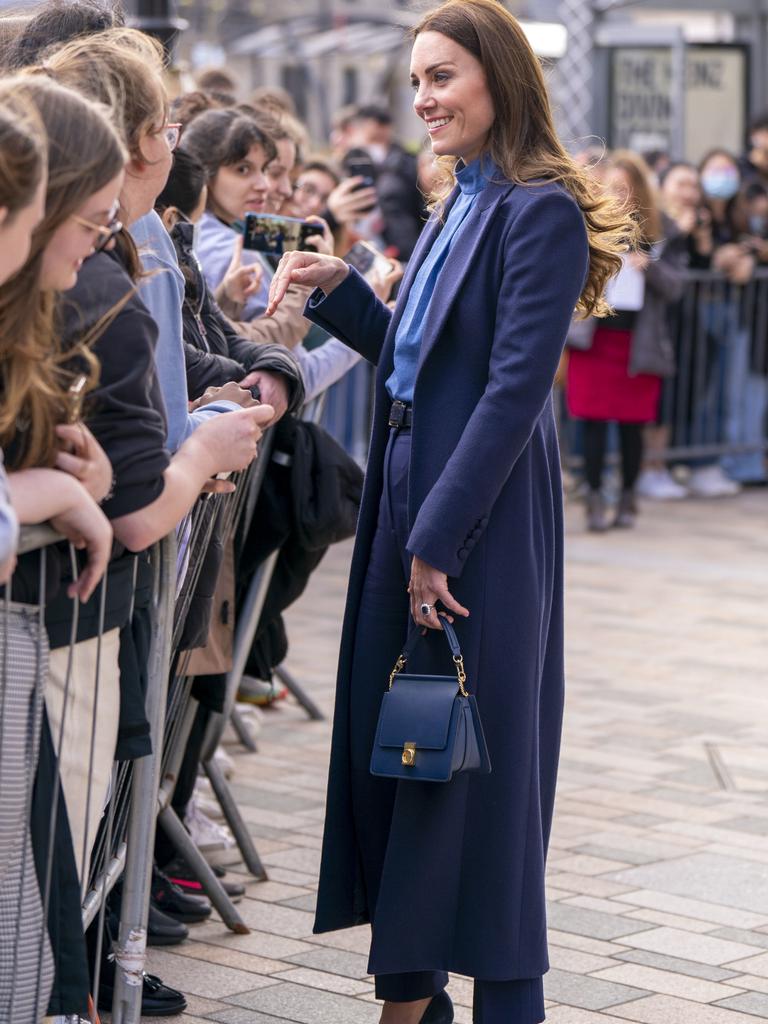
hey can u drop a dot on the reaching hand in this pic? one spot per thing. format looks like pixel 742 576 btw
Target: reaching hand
pixel 307 268
pixel 273 388
pixel 427 586
pixel 349 202
pixel 230 441
pixel 229 392
pixel 241 280
pixel 83 458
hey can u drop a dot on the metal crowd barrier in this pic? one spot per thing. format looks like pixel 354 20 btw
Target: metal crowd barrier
pixel 124 844
pixel 715 404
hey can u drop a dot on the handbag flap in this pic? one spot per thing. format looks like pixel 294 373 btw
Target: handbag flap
pixel 417 710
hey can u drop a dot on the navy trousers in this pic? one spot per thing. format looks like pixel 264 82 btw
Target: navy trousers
pixel 384 614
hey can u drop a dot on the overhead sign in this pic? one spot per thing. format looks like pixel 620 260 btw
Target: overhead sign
pixel 642 102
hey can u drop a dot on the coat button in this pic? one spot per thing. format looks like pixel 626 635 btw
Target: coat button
pixel 462 553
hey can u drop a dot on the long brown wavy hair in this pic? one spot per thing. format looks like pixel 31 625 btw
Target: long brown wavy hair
pixel 84 155
pixel 522 141
pixel 642 204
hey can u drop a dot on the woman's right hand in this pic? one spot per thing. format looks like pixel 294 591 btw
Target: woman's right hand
pixel 311 269
pixel 87 528
pixel 229 442
pixel 241 280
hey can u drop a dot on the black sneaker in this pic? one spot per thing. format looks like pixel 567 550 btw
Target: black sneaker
pixel 163 930
pixel 171 900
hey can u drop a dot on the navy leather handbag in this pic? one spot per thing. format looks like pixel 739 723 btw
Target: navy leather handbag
pixel 429 726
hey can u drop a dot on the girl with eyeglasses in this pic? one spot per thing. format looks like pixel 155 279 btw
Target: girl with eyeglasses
pixel 58 473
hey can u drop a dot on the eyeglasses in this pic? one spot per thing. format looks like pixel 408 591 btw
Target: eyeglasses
pixel 172 135
pixel 104 232
pixel 310 190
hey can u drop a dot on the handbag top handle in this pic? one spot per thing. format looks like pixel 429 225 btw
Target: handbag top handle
pixel 453 643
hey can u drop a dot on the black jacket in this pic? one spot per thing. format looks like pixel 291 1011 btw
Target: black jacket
pixel 214 352
pixel 400 201
pixel 309 500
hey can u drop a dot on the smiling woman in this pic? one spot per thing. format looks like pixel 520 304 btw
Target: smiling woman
pixel 462 508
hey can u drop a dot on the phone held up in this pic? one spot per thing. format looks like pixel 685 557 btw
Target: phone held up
pixel 368 262
pixel 270 233
pixel 357 163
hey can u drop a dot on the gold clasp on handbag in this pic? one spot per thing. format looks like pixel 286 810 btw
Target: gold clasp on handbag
pixel 461 675
pixel 409 755
pixel 399 666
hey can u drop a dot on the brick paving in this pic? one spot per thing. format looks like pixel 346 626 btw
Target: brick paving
pixel 658 874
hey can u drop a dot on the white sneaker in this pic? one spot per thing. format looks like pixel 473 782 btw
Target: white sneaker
pixel 225 762
pixel 207 802
pixel 659 485
pixel 711 482
pixel 206 834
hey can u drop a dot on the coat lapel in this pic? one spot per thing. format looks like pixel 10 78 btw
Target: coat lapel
pixel 458 263
pixel 419 254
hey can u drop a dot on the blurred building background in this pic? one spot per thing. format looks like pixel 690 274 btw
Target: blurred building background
pixel 679 75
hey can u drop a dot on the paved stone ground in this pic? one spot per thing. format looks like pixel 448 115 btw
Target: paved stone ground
pixel 658 880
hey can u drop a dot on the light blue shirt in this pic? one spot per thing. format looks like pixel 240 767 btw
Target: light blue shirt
pixel 214 245
pixel 471 180
pixel 163 294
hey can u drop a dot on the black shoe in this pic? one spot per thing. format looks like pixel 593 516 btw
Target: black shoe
pixel 163 930
pixel 157 999
pixel 170 900
pixel 180 872
pixel 596 518
pixel 439 1011
pixel 184 878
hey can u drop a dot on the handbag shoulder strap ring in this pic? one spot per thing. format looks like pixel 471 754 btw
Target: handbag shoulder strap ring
pixel 453 643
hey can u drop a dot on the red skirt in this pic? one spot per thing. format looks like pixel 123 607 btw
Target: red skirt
pixel 599 385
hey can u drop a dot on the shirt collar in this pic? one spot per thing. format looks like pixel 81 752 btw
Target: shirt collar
pixel 473 177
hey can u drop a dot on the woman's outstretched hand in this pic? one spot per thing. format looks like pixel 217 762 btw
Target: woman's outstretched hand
pixel 311 269
pixel 427 586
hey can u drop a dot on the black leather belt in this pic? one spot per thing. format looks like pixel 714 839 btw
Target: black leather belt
pixel 400 415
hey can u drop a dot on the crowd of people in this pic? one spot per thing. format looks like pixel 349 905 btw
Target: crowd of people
pixel 683 361
pixel 139 371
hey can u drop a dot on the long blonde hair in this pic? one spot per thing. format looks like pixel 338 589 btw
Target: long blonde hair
pixel 522 141
pixel 84 155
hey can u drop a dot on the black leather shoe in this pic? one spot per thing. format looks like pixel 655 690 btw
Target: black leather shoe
pixel 170 900
pixel 157 999
pixel 163 930
pixel 439 1011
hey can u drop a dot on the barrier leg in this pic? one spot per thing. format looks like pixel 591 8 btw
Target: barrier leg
pixel 235 820
pixel 296 691
pixel 212 887
pixel 130 955
pixel 242 730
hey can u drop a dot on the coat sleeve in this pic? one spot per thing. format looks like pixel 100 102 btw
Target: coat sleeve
pixel 353 314
pixel 544 266
pixel 208 369
pixel 667 275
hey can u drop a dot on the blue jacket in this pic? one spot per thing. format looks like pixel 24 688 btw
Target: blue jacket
pixel 485 507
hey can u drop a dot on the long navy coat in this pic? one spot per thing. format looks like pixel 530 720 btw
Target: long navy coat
pixel 462 878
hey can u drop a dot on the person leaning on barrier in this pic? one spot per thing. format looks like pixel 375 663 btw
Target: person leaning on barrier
pixel 215 354
pixel 153 489
pixel 84 174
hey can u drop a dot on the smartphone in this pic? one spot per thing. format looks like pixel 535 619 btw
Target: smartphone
pixel 368 261
pixel 357 163
pixel 271 233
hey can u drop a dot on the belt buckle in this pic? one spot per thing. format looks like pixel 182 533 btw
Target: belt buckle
pixel 397 413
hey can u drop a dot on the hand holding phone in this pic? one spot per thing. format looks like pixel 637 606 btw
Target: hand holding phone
pixel 270 233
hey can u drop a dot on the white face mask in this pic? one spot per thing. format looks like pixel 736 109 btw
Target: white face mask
pixel 378 152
